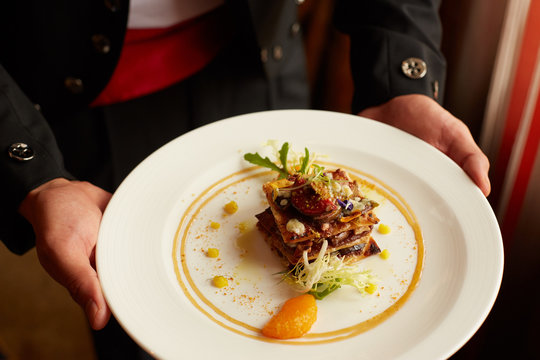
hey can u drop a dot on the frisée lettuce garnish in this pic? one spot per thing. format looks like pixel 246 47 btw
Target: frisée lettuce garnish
pixel 326 274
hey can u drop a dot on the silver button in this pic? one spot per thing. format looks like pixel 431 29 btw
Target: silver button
pixel 277 52
pixel 74 85
pixel 414 68
pixel 112 5
pixel 21 152
pixel 37 107
pixel 295 29
pixel 101 43
pixel 264 55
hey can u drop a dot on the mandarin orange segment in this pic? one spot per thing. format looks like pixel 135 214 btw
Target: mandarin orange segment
pixel 294 319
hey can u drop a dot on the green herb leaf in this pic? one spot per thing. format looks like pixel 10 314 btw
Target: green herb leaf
pixel 320 291
pixel 305 162
pixel 318 169
pixel 257 159
pixel 283 156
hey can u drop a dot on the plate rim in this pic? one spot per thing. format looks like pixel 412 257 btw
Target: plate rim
pixel 124 187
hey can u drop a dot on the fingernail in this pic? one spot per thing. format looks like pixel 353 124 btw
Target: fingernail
pixel 487 185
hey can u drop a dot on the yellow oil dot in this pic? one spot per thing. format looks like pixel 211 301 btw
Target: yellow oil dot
pixel 385 254
pixel 215 225
pixel 243 227
pixel 231 207
pixel 384 229
pixel 371 288
pixel 220 281
pixel 212 252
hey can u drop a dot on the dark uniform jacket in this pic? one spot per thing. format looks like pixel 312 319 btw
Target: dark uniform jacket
pixel 56 56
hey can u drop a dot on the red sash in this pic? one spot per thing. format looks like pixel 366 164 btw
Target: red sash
pixel 153 59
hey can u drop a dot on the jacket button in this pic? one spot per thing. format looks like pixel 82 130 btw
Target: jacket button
pixel 74 85
pixel 264 55
pixel 294 29
pixel 277 52
pixel 21 152
pixel 112 5
pixel 414 68
pixel 101 43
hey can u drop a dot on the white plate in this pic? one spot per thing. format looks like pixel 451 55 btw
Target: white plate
pixel 157 279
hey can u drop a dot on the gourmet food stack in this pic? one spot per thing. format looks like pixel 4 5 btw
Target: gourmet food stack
pixel 305 210
pixel 313 210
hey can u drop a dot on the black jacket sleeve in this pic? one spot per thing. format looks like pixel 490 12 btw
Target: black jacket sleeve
pixel 44 46
pixel 383 34
pixel 21 122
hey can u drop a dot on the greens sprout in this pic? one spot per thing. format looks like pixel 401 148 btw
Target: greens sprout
pixel 326 274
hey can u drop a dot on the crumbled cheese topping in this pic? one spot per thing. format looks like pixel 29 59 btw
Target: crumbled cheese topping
pixel 336 187
pixel 346 190
pixel 284 193
pixel 359 204
pixel 296 227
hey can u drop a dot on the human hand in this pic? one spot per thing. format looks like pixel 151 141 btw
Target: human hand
pixel 65 216
pixel 424 118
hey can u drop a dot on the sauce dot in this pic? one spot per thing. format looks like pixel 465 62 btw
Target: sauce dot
pixel 220 281
pixel 371 288
pixel 385 254
pixel 231 207
pixel 384 229
pixel 243 227
pixel 212 252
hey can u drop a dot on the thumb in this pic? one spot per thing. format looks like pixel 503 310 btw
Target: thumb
pixel 476 166
pixel 85 289
pixel 462 148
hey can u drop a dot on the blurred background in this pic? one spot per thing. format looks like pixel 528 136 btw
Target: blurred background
pixel 492 49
